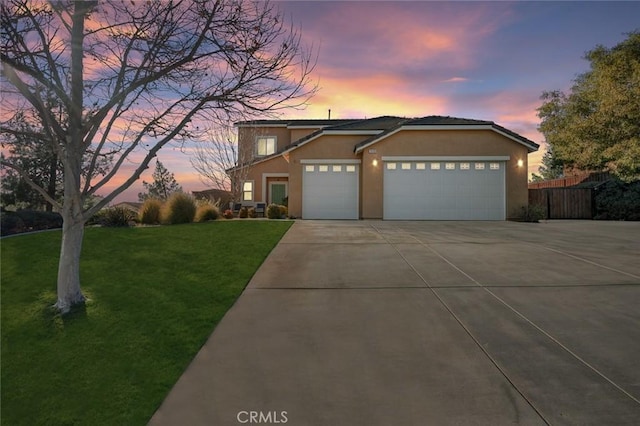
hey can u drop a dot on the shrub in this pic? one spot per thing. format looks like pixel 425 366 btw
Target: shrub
pixel 533 213
pixel 29 220
pixel 150 211
pixel 11 223
pixel 617 200
pixel 228 214
pixel 243 213
pixel 207 211
pixel 274 211
pixel 179 208
pixel 252 212
pixel 114 217
pixel 284 212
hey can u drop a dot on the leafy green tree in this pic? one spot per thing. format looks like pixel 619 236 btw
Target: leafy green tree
pixel 551 167
pixel 597 125
pixel 23 145
pixel 164 184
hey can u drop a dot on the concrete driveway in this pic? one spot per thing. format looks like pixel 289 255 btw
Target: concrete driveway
pixel 428 323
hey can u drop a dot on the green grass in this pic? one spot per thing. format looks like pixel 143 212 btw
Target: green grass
pixel 155 293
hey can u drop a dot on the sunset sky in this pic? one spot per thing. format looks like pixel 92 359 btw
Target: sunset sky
pixel 481 60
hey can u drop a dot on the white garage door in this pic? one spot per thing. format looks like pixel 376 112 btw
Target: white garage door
pixel 330 191
pixel 444 190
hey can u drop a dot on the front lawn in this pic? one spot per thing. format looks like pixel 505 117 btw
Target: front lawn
pixel 155 295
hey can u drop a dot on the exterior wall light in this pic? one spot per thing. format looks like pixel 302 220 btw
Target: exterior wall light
pixel 520 163
pixel 375 162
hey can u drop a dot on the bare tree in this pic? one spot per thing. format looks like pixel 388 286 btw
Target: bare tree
pixel 132 77
pixel 220 162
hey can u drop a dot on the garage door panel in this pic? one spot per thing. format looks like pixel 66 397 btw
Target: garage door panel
pixel 445 194
pixel 330 194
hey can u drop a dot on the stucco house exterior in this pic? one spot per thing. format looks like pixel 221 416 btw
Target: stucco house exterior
pixel 430 168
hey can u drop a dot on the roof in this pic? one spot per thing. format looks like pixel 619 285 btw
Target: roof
pixel 305 123
pixel 436 122
pixel 381 127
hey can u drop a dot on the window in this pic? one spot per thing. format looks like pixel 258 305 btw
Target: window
pixel 494 166
pixel 391 166
pixel 420 166
pixel 464 166
pixel 265 145
pixel 435 166
pixel 479 166
pixel 309 168
pixel 247 191
pixel 336 168
pixel 323 168
pixel 406 166
pixel 351 169
pixel 450 166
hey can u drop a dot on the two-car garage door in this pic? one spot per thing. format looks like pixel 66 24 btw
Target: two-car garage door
pixel 444 189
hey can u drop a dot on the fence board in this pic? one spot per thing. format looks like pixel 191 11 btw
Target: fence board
pixel 571 180
pixel 564 203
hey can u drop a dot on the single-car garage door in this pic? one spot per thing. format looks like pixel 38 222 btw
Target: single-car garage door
pixel 444 190
pixel 330 190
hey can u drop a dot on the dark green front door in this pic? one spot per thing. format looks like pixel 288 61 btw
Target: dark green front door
pixel 278 192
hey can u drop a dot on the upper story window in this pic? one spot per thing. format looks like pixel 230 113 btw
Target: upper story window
pixel 265 145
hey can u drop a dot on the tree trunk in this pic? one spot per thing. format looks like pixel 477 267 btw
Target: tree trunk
pixel 69 292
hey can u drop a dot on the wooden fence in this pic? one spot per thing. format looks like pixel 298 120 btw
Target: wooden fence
pixel 571 180
pixel 564 203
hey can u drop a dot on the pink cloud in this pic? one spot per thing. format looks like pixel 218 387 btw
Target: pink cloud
pixel 455 80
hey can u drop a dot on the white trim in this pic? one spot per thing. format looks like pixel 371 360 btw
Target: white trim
pixel 448 158
pixel 264 183
pixel 330 161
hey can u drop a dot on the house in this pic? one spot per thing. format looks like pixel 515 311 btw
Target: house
pixel 430 168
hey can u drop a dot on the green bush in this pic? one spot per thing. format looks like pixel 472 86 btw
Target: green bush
pixel 150 211
pixel 243 213
pixel 252 212
pixel 11 224
pixel 29 220
pixel 207 211
pixel 114 217
pixel 275 211
pixel 618 200
pixel 179 208
pixel 533 213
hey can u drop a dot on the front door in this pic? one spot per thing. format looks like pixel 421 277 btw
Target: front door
pixel 278 192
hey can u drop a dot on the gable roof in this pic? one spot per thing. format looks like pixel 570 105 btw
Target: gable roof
pixel 380 128
pixel 436 122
